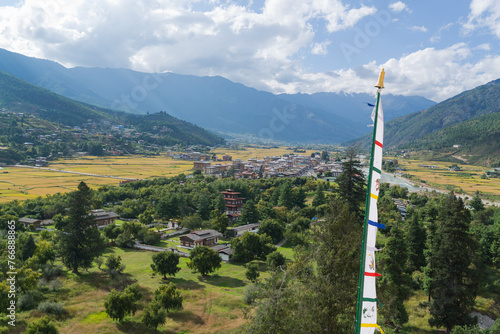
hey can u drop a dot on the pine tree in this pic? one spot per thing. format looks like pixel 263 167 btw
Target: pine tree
pixel 285 197
pixel 319 198
pixel 203 206
pixel 249 213
pixel 352 182
pixel 299 197
pixel 219 204
pixel 455 281
pixel 80 241
pixel 28 248
pixel 431 216
pixel 476 203
pixel 395 281
pixel 415 240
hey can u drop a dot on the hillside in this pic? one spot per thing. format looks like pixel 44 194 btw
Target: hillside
pixel 211 102
pixel 476 140
pixel 469 119
pixel 35 122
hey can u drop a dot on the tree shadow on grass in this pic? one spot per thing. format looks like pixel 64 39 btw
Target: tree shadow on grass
pixel 185 316
pixel 183 283
pixel 223 281
pixel 102 281
pixel 131 326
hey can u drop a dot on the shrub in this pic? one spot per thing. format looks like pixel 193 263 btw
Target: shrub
pixel 29 300
pixel 43 325
pixel 252 273
pixel 55 285
pixel 49 271
pixel 51 308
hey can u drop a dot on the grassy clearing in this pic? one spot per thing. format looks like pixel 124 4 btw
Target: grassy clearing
pixel 212 304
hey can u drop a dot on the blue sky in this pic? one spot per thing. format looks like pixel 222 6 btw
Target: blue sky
pixel 435 49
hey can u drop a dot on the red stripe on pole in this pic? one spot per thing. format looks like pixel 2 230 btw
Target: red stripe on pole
pixel 379 144
pixel 372 274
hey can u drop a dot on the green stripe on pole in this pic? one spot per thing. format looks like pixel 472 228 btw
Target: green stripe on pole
pixel 373 300
pixel 365 226
pixel 377 170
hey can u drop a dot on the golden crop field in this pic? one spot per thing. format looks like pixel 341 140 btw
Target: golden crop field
pixel 23 183
pixel 468 179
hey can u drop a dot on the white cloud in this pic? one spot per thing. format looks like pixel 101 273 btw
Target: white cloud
pixel 257 48
pixel 437 37
pixel 432 73
pixel 320 48
pixel 418 29
pixel 399 7
pixel 170 33
pixel 484 13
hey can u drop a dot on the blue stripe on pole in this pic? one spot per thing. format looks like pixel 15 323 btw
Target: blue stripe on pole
pixel 372 223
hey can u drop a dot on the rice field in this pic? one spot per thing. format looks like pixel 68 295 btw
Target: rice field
pixel 468 180
pixel 24 183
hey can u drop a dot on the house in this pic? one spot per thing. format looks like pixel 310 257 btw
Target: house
pixel 200 238
pixel 238 231
pixel 27 222
pixel 173 224
pixel 103 218
pixel 225 252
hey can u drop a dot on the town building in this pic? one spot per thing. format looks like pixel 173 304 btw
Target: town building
pixel 201 165
pixel 234 232
pixel 234 203
pixel 200 238
pixel 27 222
pixel 103 218
pixel 225 252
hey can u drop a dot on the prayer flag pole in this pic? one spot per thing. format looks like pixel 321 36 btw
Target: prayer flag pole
pixel 366 311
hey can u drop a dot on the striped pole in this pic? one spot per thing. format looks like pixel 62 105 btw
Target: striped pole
pixel 367 221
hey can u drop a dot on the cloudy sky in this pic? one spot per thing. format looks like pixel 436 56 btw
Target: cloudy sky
pixel 435 49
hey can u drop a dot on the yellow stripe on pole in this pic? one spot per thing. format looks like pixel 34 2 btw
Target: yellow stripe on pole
pixel 373 325
pixel 374 196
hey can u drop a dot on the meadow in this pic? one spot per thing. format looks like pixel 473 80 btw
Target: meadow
pixel 212 304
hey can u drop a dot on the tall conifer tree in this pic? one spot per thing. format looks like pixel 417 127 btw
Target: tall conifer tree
pixel 455 281
pixel 352 182
pixel 80 241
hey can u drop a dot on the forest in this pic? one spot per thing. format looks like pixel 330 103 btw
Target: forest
pixel 444 250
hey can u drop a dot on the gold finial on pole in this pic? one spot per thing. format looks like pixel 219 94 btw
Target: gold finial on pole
pixel 380 83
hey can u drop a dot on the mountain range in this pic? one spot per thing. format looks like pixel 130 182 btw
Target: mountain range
pixel 36 122
pixel 214 103
pixel 466 125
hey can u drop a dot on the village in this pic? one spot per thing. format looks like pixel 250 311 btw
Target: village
pixel 287 165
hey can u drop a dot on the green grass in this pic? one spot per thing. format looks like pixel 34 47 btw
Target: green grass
pixel 212 304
